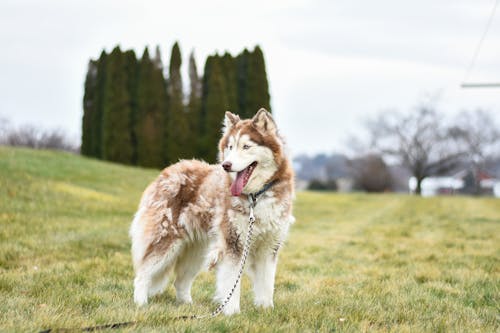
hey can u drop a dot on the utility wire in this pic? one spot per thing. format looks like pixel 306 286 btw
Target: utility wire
pixel 478 47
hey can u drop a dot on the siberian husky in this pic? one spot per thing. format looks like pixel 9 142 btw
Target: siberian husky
pixel 195 215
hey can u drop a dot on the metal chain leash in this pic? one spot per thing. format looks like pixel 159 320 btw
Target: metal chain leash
pixel 246 250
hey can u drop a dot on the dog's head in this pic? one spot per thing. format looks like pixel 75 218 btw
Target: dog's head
pixel 250 150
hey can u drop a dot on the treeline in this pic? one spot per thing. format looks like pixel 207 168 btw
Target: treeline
pixel 36 137
pixel 137 113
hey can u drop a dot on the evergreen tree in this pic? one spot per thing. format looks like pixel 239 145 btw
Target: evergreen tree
pixel 130 116
pixel 214 102
pixel 97 116
pixel 116 137
pixel 89 108
pixel 151 112
pixel 178 123
pixel 131 69
pixel 162 94
pixel 228 67
pixel 253 88
pixel 194 107
pixel 257 78
pixel 242 82
pixel 157 62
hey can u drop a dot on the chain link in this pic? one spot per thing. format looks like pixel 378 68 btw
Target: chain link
pixel 246 250
pixel 252 198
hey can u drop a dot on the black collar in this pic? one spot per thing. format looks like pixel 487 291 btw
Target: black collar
pixel 266 187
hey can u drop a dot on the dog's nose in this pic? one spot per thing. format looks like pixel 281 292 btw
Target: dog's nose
pixel 227 166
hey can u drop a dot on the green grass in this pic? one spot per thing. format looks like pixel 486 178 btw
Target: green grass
pixel 351 263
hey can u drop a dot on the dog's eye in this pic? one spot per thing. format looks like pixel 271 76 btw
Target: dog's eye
pixel 246 147
pixel 230 147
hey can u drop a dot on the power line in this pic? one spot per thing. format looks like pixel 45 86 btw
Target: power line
pixel 481 85
pixel 478 47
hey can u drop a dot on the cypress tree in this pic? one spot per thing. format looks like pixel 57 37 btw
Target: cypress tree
pixel 116 137
pixel 97 117
pixel 161 92
pixel 131 69
pixel 194 107
pixel 130 116
pixel 228 67
pixel 201 146
pixel 242 82
pixel 89 108
pixel 151 112
pixel 260 97
pixel 252 85
pixel 178 123
pixel 214 102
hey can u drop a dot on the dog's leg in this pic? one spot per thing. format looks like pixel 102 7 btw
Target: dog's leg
pixel 188 265
pixel 262 273
pixel 159 282
pixel 151 273
pixel 227 272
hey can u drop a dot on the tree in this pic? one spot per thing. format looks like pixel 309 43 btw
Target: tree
pixel 228 67
pixel 161 92
pixel 252 84
pixel 371 174
pixel 151 113
pixel 27 135
pixel 178 123
pixel 214 101
pixel 116 136
pixel 322 185
pixel 194 107
pixel 131 67
pixel 133 115
pixel 96 117
pixel 258 83
pixel 480 137
pixel 89 108
pixel 418 140
pixel 242 82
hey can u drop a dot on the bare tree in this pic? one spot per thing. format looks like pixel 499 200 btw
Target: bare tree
pixel 25 136
pixel 419 140
pixel 34 137
pixel 480 136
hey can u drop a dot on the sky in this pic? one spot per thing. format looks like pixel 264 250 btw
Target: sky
pixel 331 64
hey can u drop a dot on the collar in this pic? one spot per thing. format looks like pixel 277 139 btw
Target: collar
pixel 253 196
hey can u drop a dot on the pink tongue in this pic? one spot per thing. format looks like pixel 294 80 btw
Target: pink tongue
pixel 237 186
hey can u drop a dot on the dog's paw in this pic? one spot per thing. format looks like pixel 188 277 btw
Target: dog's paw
pixel 140 298
pixel 184 300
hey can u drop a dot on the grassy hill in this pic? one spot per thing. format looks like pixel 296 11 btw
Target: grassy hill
pixel 352 262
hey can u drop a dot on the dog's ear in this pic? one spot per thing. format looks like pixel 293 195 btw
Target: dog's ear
pixel 264 121
pixel 230 119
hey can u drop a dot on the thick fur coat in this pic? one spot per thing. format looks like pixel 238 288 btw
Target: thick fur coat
pixel 195 215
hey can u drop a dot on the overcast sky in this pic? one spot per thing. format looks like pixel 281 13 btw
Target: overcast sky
pixel 330 64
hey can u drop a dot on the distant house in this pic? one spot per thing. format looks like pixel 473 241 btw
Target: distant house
pixel 432 186
pixel 461 182
pixel 339 168
pixel 345 184
pixel 496 190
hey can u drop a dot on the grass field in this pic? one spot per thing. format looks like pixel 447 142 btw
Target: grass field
pixel 353 263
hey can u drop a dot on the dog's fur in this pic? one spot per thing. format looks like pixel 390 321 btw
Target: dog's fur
pixel 188 220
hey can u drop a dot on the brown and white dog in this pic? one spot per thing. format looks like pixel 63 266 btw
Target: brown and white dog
pixel 195 215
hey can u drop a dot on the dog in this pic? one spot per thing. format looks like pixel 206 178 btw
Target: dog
pixel 195 216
